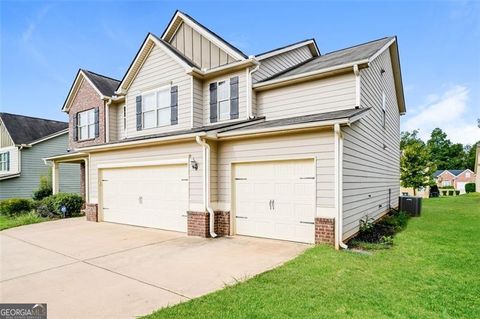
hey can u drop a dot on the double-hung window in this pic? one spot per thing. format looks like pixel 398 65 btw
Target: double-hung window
pixel 4 162
pixel 223 100
pixel 86 125
pixel 156 110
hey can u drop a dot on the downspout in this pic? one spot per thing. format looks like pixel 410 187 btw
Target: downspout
pixel 206 184
pixel 250 89
pixel 339 188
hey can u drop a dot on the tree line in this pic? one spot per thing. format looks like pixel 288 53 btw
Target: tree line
pixel 420 160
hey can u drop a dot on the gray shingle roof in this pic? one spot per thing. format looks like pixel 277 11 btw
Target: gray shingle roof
pixel 25 129
pixel 318 117
pixel 104 84
pixel 335 58
pixel 455 172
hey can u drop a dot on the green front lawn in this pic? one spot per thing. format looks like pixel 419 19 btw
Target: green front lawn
pixel 24 219
pixel 432 271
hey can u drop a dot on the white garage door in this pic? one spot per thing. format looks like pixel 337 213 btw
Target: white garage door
pixel 461 187
pixel 275 199
pixel 146 196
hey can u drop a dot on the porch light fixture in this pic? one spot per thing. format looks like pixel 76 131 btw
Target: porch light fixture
pixel 194 164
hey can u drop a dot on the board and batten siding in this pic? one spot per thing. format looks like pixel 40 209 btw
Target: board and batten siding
pixel 280 62
pixel 174 151
pixel 198 49
pixel 5 139
pixel 242 95
pixel 316 96
pixel 317 144
pixel 32 167
pixel 159 70
pixel 369 168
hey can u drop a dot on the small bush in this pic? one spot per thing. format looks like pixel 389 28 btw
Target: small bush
pixel 450 193
pixel 444 193
pixel 447 187
pixel 44 190
pixel 52 205
pixel 470 188
pixel 457 192
pixel 15 206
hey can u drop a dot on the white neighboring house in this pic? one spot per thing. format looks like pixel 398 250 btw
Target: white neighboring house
pixel 289 144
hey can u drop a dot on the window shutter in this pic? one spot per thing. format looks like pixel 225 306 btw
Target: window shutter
pixel 138 100
pixel 75 127
pixel 213 102
pixel 7 156
pixel 174 105
pixel 97 123
pixel 234 98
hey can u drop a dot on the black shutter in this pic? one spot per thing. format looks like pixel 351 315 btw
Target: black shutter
pixel 7 158
pixel 234 98
pixel 97 122
pixel 213 102
pixel 138 100
pixel 75 127
pixel 174 105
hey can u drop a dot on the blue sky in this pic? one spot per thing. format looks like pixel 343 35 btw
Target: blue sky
pixel 44 43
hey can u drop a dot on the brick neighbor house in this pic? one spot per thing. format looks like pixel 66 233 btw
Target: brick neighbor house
pixel 454 177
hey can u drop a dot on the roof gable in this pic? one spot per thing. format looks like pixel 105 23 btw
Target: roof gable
pixel 103 85
pixel 26 129
pixel 181 17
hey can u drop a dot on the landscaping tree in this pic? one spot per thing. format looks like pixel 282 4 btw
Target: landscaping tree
pixel 416 168
pixel 470 153
pixel 444 153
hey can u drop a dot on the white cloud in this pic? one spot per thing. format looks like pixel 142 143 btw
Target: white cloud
pixel 450 112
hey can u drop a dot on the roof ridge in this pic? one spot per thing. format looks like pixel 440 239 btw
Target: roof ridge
pixel 103 76
pixel 33 117
pixel 284 47
pixel 356 45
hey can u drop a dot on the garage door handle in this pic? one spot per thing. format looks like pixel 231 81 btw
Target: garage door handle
pixel 241 217
pixel 240 179
pixel 307 177
pixel 302 222
pixel 184 215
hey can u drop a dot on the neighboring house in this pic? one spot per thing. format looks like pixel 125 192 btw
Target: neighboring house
pixel 456 178
pixel 288 144
pixel 24 142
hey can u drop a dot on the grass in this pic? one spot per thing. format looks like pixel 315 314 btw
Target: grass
pixel 432 271
pixel 20 220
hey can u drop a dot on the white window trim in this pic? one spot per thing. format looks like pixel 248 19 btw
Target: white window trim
pixel 155 91
pixel 227 82
pixel 3 162
pixel 87 125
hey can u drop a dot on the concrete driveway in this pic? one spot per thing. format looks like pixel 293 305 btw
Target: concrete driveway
pixel 100 270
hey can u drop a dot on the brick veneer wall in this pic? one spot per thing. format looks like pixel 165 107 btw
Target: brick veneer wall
pixel 91 212
pixel 87 98
pixel 82 181
pixel 198 223
pixel 325 231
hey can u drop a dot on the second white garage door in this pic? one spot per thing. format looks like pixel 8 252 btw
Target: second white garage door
pixel 154 196
pixel 275 199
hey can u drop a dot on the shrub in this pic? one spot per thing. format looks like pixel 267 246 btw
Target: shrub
pixel 52 205
pixel 470 188
pixel 15 206
pixel 44 190
pixel 444 193
pixel 450 193
pixel 447 187
pixel 457 192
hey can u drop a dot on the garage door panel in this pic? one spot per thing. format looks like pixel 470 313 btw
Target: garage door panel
pixel 276 199
pixel 146 196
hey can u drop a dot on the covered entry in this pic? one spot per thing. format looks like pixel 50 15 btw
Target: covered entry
pixel 275 199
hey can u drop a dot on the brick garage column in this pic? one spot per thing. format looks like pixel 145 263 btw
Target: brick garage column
pixel 198 224
pixel 325 231
pixel 91 212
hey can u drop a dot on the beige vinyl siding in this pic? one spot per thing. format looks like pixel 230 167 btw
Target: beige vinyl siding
pixel 199 49
pixel 280 62
pixel 113 123
pixel 174 151
pixel 369 170
pixel 159 70
pixel 197 102
pixel 318 145
pixel 242 95
pixel 323 95
pixel 119 120
pixel 5 139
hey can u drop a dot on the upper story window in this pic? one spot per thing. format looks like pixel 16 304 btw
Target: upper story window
pixel 446 183
pixel 4 162
pixel 86 125
pixel 156 108
pixel 224 100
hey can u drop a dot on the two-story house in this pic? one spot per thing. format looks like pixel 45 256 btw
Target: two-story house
pixel 198 137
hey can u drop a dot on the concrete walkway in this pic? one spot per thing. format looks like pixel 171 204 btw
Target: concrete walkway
pixel 100 270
